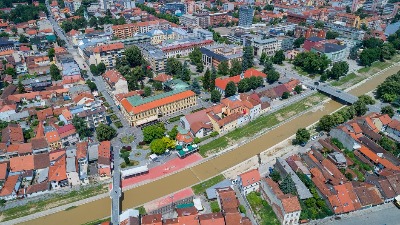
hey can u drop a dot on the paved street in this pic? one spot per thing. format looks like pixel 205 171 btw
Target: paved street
pixel 386 214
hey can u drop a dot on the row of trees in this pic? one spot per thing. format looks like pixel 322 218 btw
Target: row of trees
pixel 272 74
pixel 374 50
pixel 196 59
pixel 389 90
pixel 99 69
pixel 74 24
pixel 250 83
pixel 23 13
pixel 338 70
pixel 359 108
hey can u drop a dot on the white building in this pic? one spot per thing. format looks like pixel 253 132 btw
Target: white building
pixel 249 181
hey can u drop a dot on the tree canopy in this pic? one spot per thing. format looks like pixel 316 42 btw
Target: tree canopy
pixel 105 132
pixel 153 132
pixel 173 67
pixel 338 69
pixel 81 127
pixel 302 135
pixel 311 62
pixel 55 73
pixel 248 58
pixel 215 96
pixel 230 89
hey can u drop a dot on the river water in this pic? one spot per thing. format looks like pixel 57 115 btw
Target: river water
pixel 145 193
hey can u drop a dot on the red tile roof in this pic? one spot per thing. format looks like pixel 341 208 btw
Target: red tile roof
pixel 250 177
pixel 21 163
pixel 290 203
pixel 9 185
pixel 3 170
pixel 221 82
pixel 52 136
pixel 376 159
pixel 162 77
pixel 395 124
pixel 66 130
pixel 108 47
pixel 58 172
pixel 228 199
pixel 155 219
pixel 212 219
pixel 112 77
pixel 44 114
pixel 81 150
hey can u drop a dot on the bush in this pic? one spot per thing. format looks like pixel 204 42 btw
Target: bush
pixel 214 134
pixel 242 209
pixel 214 207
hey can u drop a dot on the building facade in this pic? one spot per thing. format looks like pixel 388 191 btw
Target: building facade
pixel 245 16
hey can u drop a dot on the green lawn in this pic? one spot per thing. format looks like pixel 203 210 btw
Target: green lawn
pixel 214 207
pixel 127 139
pixel 344 80
pixel 176 118
pixel 300 71
pixel 263 212
pixel 96 222
pixel 201 188
pixel 379 65
pixel 56 200
pixel 260 123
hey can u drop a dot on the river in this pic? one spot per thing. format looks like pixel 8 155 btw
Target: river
pixel 188 177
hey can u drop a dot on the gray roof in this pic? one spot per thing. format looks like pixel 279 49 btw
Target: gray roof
pixel 339 157
pixel 19 116
pixel 211 193
pixel 36 80
pixel 392 28
pixel 71 165
pixel 329 48
pixel 71 152
pixel 301 188
pixel 43 175
pixel 93 152
pixel 315 39
pixel 79 89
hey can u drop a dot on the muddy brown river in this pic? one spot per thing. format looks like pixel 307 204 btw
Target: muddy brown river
pixel 188 177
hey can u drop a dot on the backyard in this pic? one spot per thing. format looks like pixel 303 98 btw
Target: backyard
pixel 263 211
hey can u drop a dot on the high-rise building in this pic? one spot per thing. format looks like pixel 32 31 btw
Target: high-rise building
pixel 245 16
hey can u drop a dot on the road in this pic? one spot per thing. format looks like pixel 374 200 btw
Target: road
pixel 116 191
pixel 386 214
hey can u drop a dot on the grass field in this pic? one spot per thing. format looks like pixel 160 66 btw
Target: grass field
pixel 255 126
pixel 54 201
pixel 201 188
pixel 376 65
pixel 344 80
pixel 263 212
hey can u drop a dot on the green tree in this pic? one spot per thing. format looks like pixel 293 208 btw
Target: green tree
pixel 348 9
pixel 338 69
pixel 157 85
pixel 81 127
pixel 326 123
pixel 263 58
pixel 368 100
pixel 173 132
pixel 51 53
pixel 147 91
pixel 196 86
pixel 243 86
pixel 55 73
pixel 199 67
pixel 158 146
pixel 215 96
pixel 275 176
pixel 212 78
pixel 288 186
pixel 360 107
pixel 298 89
pixel 94 70
pixel 285 95
pixel 388 144
pixel 319 24
pixel 230 89
pixel 105 132
pixel 169 143
pixel 223 68
pixel 196 56
pixel 388 110
pixel 279 57
pixel 134 56
pixel 268 66
pixel 185 73
pixel 298 42
pixel 369 55
pixel 206 80
pixel 21 88
pixel 272 76
pixel 153 132
pixel 388 51
pixel 236 68
pixel 11 71
pixel 248 58
pixel 23 39
pixel 173 67
pixel 302 135
pixel 331 35
pixel 101 67
pixel 91 85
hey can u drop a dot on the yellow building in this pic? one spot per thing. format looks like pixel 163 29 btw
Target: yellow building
pixel 139 111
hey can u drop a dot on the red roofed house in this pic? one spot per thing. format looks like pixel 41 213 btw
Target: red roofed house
pixel 117 84
pixel 155 219
pixel 286 206
pixel 221 82
pixel 12 134
pixel 393 129
pixel 104 161
pixel 58 172
pixel 345 200
pixel 249 181
pixel 68 135
pixel 381 121
pixel 82 157
pixel 162 77
pixel 212 219
pixel 10 188
pixel 108 54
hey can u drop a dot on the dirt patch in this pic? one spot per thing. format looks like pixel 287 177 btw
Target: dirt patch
pixel 247 165
pixel 279 117
pixel 290 114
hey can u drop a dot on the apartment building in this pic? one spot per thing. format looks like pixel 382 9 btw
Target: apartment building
pixel 129 30
pixel 203 34
pixel 348 20
pixel 140 111
pixel 108 54
pixel 184 47
pixel 218 19
pixel 260 45
pixel 117 84
pixel 215 54
pixel 154 56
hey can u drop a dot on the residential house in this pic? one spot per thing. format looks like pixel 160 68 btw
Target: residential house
pixel 346 136
pixel 54 140
pixel 368 194
pixel 37 189
pixel 68 135
pixel 227 200
pixel 117 84
pixel 345 200
pixel 39 145
pixel 71 171
pixel 6 111
pixel 198 123
pixel 104 159
pixel 393 129
pixel 249 181
pixel 381 121
pixel 12 134
pixel 286 206
pixel 3 172
pixel 82 157
pixel 155 219
pixel 108 54
pixel 20 164
pixel 212 219
pixel 10 188
pixel 57 172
